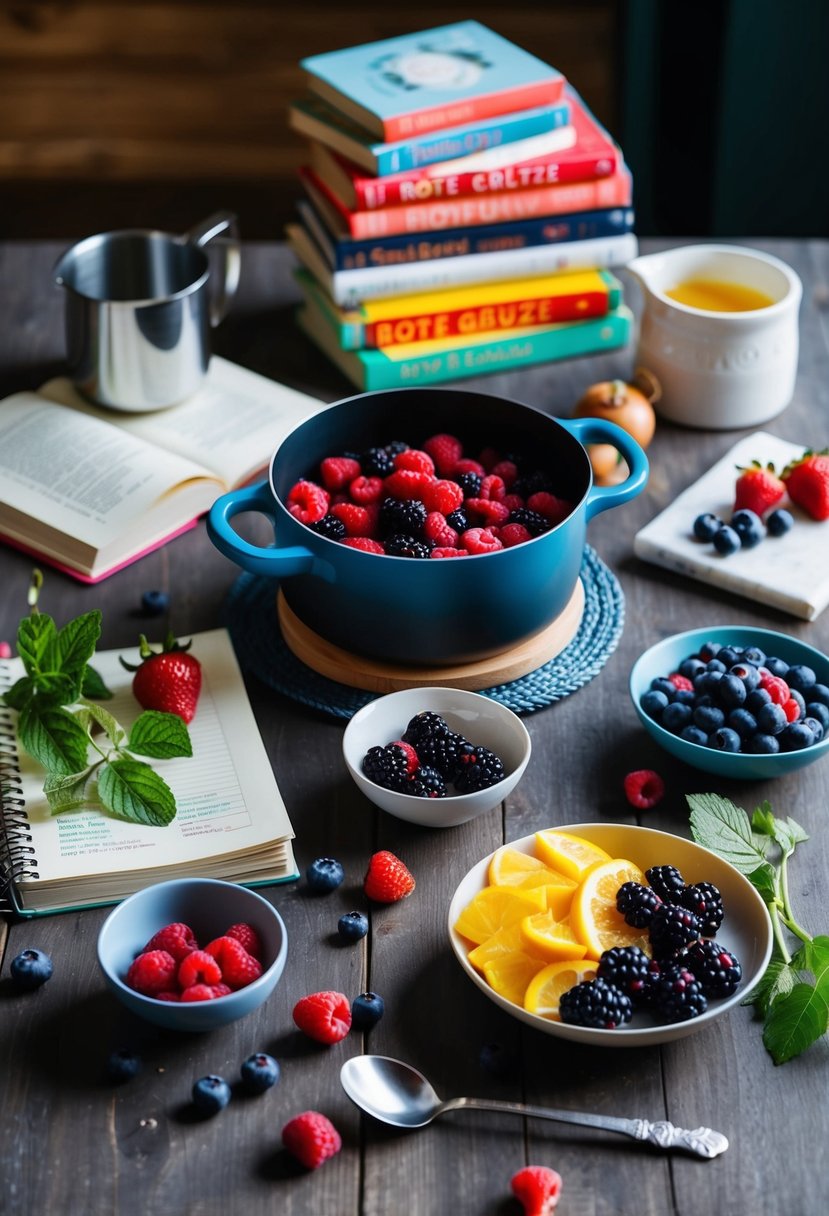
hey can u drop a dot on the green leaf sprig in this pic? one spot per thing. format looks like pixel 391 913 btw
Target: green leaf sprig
pixel 792 997
pixel 89 759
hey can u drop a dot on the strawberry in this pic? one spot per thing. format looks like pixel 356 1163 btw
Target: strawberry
pixel 538 1188
pixel 387 879
pixel 311 1138
pixel 324 1016
pixel 758 488
pixel 807 481
pixel 169 680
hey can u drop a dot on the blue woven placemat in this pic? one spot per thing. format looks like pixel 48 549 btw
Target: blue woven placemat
pixel 253 624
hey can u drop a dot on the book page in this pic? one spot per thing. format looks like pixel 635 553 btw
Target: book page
pixel 232 425
pixel 226 795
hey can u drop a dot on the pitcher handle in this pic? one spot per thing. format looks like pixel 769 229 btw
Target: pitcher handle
pixel 205 232
pixel 599 430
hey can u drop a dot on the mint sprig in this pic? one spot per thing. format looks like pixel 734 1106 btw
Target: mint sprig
pixel 89 759
pixel 792 997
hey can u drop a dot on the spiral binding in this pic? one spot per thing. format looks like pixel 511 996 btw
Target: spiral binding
pixel 17 855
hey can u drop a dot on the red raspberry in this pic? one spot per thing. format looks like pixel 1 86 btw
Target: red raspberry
pixel 506 470
pixel 438 532
pixel 357 520
pixel 387 879
pixel 489 457
pixel 416 461
pixel 199 967
pixel 406 483
pixel 550 506
pixel 247 935
pixel 493 488
pixel 681 682
pixel 486 511
pixel 311 1138
pixel 307 502
pixel 791 709
pixel 168 996
pixel 365 543
pixel 412 761
pixel 538 1188
pixel 153 971
pixel 465 465
pixel 204 992
pixel 776 687
pixel 445 450
pixel 177 939
pixel 644 788
pixel 480 540
pixel 238 967
pixel 366 489
pixel 324 1016
pixel 448 551
pixel 444 496
pixel 514 501
pixel 337 471
pixel 513 534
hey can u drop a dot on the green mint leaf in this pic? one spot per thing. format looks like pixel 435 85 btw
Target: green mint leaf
pixel 719 825
pixel 57 688
pixel 797 832
pixel 813 957
pixel 160 735
pixel 763 819
pixel 93 686
pixel 131 790
pixel 35 639
pixel 778 979
pixel 69 792
pixel 54 738
pixel 76 642
pixel 764 878
pixel 20 693
pixel 794 1022
pixel 114 730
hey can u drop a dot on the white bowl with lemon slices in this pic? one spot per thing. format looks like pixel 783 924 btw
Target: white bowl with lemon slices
pixel 531 920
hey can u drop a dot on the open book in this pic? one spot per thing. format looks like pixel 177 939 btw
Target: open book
pixel 90 490
pixel 231 822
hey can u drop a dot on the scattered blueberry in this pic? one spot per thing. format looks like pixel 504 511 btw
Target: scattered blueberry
pixel 30 969
pixel 726 541
pixel 122 1065
pixel 779 522
pixel 154 603
pixel 706 525
pixel 260 1072
pixel 352 926
pixel 749 527
pixel 324 874
pixel 366 1010
pixel 211 1094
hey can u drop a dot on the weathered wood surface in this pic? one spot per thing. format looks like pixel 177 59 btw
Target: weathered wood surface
pixel 72 1144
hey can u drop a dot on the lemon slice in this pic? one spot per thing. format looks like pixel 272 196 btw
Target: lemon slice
pixel 510 974
pixel 553 939
pixel 510 867
pixel 504 941
pixel 546 988
pixel 496 907
pixel 559 895
pixel 570 855
pixel 593 914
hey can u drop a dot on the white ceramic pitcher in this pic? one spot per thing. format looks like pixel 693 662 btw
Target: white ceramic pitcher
pixel 719 370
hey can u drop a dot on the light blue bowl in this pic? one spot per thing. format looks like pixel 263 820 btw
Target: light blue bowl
pixel 665 657
pixel 209 907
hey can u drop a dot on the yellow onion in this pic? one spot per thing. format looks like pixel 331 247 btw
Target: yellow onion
pixel 628 405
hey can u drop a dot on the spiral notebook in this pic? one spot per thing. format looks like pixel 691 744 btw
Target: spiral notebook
pixel 231 822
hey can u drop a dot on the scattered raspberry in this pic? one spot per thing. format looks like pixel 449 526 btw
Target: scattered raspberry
pixel 681 682
pixel 438 532
pixel 446 451
pixel 247 935
pixel 538 1188
pixel 366 489
pixel 177 939
pixel 201 992
pixel 447 551
pixel 406 484
pixel 307 502
pixel 364 543
pixel 357 519
pixel 550 506
pixel 153 971
pixel 416 460
pixel 644 788
pixel 444 496
pixel 513 534
pixel 337 471
pixel 323 1016
pixel 387 879
pixel 480 540
pixel 238 967
pixel 311 1138
pixel 488 511
pixel 199 967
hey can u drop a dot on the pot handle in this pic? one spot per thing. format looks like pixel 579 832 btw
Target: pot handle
pixel 599 430
pixel 275 563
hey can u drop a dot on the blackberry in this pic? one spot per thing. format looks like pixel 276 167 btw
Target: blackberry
pixel 666 881
pixel 330 526
pixel 533 521
pixel 423 725
pixel 531 483
pixel 406 515
pixel 376 462
pixel 716 969
pixel 628 969
pixel 672 929
pixel 427 783
pixel 458 519
pixel 387 766
pixel 400 545
pixel 597 1004
pixel 478 768
pixel 395 447
pixel 470 483
pixel 677 995
pixel 441 751
pixel 705 901
pixel 637 904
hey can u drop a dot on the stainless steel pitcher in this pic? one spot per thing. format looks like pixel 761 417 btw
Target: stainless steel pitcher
pixel 140 305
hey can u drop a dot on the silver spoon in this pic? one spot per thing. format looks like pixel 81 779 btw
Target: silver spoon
pixel 396 1093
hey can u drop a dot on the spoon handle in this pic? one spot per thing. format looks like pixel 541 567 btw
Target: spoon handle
pixel 702 1141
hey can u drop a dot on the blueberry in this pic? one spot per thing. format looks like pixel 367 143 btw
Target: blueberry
pixel 799 700
pixel 325 874
pixel 154 603
pixel 820 712
pixel 743 722
pixel 816 727
pixel 693 734
pixel 771 719
pixel 663 684
pixel 777 667
pixel 676 717
pixel 717 666
pixel 756 699
pixel 795 737
pixel 691 667
pixel 819 692
pixel 724 740
pixel 211 1094
pixel 731 690
pixel 749 527
pixel 780 522
pixel 754 655
pixel 801 677
pixel 726 541
pixel 729 655
pixel 708 651
pixel 709 718
pixel 685 696
pixel 30 969
pixel 366 1010
pixel 260 1072
pixel 710 682
pixel 748 673
pixel 706 525
pixel 352 926
pixel 762 745
pixel 122 1065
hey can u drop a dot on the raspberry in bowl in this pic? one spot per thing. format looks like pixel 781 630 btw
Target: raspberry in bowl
pixel 193 954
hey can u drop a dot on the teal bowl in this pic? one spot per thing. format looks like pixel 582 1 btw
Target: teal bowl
pixel 209 907
pixel 665 657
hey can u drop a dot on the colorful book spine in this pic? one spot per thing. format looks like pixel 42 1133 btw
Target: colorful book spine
pixel 613 191
pixel 436 362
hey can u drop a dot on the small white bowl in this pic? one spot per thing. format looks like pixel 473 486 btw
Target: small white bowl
pixel 477 718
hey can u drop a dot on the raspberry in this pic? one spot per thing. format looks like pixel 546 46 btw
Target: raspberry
pixel 553 509
pixel 366 489
pixel 337 471
pixel 514 502
pixel 537 1187
pixel 513 534
pixel 247 935
pixel 438 532
pixel 465 465
pixel 387 879
pixel 153 971
pixel 492 488
pixel 204 992
pixel 177 939
pixel 238 967
pixel 776 687
pixel 416 461
pixel 356 519
pixel 168 996
pixel 644 789
pixel 311 1138
pixel 323 1016
pixel 406 484
pixel 364 543
pixel 479 540
pixel 791 709
pixel 307 502
pixel 487 511
pixel 489 457
pixel 448 551
pixel 445 450
pixel 199 967
pixel 507 470
pixel 443 496
pixel 681 682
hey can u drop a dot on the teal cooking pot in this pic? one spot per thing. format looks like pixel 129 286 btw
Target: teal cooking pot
pixel 409 610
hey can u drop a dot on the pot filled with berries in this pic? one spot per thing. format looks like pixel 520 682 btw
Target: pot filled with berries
pixel 428 526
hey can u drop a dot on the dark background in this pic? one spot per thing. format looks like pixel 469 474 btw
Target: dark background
pixel 154 113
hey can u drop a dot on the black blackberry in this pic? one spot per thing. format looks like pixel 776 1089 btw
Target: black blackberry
pixel 533 521
pixel 458 520
pixel 531 482
pixel 717 970
pixel 395 447
pixel 401 515
pixel 677 995
pixel 667 882
pixel 628 969
pixel 478 768
pixel 705 901
pixel 597 1004
pixel 423 725
pixel 330 526
pixel 376 462
pixel 400 545
pixel 441 750
pixel 470 483
pixel 672 929
pixel 427 783
pixel 637 904
pixel 387 766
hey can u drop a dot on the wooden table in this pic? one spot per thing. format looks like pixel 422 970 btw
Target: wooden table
pixel 70 1143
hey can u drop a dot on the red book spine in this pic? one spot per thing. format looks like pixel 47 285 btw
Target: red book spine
pixel 521 97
